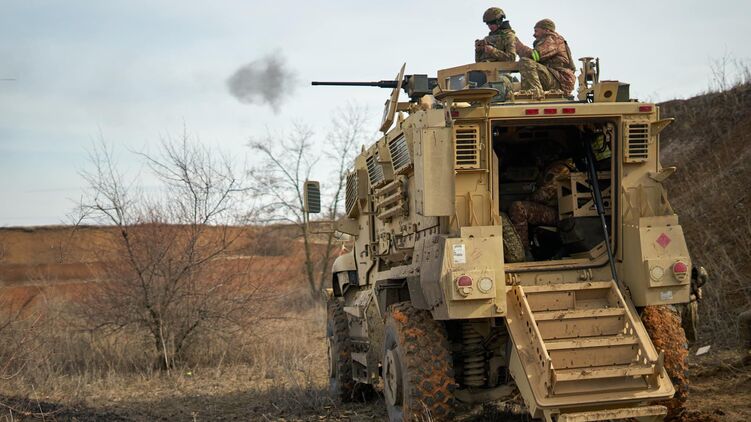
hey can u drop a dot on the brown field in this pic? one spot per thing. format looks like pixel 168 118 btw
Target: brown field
pixel 276 372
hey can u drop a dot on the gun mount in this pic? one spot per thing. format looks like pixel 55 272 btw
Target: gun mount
pixel 415 86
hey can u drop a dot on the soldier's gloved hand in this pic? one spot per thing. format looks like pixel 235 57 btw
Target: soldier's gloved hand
pixel 488 49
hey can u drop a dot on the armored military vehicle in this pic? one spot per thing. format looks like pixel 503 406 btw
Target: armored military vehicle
pixel 441 300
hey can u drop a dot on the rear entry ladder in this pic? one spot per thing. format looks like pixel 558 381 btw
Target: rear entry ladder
pixel 579 345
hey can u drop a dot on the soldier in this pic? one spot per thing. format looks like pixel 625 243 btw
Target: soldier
pixel 541 208
pixel 744 324
pixel 513 247
pixel 499 45
pixel 548 64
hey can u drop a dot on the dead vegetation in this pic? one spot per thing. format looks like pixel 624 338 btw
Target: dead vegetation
pixel 709 145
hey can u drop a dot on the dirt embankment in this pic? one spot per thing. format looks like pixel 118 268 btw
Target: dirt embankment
pixel 710 143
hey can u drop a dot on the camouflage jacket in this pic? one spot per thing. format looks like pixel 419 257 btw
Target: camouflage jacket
pixel 547 188
pixel 503 41
pixel 555 54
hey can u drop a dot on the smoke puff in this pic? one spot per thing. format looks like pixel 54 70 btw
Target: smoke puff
pixel 264 81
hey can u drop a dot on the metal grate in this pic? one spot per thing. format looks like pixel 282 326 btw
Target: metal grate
pixel 375 170
pixel 637 143
pixel 399 153
pixel 350 197
pixel 467 147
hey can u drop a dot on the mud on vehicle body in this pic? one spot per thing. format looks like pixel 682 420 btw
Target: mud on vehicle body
pixel 436 310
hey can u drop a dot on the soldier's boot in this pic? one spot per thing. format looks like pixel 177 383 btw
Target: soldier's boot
pixel 744 325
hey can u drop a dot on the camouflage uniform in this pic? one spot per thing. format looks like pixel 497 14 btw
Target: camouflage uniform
pixel 541 208
pixel 548 64
pixel 744 325
pixel 503 43
pixel 513 249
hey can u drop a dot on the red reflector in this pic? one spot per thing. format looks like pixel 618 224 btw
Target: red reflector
pixel 680 267
pixel 645 108
pixel 454 114
pixel 568 110
pixel 464 281
pixel 550 111
pixel 531 111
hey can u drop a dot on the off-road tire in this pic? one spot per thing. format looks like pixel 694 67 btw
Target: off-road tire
pixel 663 323
pixel 341 383
pixel 425 367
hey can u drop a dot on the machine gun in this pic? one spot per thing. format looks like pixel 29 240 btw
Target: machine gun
pixel 415 86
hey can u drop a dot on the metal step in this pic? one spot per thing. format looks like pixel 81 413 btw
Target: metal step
pixel 589 342
pixel 613 371
pixel 578 314
pixel 643 413
pixel 579 344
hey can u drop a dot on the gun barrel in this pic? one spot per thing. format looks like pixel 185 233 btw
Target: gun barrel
pixel 380 84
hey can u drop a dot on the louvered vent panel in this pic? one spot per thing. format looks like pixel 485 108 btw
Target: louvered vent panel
pixel 351 194
pixel 399 153
pixel 467 152
pixel 375 171
pixel 637 143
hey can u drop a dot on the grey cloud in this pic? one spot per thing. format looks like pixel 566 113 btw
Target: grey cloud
pixel 264 81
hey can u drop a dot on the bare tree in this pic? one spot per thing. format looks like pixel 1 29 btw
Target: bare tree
pixel 287 161
pixel 170 269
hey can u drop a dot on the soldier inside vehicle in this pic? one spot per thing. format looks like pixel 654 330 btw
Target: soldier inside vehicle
pixel 545 193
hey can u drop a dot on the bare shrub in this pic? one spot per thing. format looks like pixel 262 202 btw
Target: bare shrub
pixel 169 272
pixel 288 160
pixel 18 330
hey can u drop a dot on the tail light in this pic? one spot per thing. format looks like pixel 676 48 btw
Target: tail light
pixel 464 281
pixel 464 285
pixel 680 270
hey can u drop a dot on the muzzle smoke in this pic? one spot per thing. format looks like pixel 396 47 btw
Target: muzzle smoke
pixel 266 81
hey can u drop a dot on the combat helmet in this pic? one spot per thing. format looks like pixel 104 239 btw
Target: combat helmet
pixel 493 14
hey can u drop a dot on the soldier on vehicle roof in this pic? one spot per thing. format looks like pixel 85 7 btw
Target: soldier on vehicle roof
pixel 499 45
pixel 548 64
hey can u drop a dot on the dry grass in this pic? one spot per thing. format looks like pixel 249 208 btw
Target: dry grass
pixel 277 371
pixel 710 145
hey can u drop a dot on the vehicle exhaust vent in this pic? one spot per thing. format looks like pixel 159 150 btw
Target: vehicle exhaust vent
pixel 375 169
pixel 350 197
pixel 467 147
pixel 399 154
pixel 637 143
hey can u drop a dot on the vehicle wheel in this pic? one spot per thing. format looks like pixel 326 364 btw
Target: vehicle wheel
pixel 663 323
pixel 418 375
pixel 341 383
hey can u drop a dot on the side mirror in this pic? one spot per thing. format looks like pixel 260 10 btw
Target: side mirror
pixel 312 197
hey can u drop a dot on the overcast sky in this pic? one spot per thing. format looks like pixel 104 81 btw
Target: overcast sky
pixel 136 71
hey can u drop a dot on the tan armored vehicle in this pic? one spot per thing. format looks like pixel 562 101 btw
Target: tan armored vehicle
pixel 429 305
